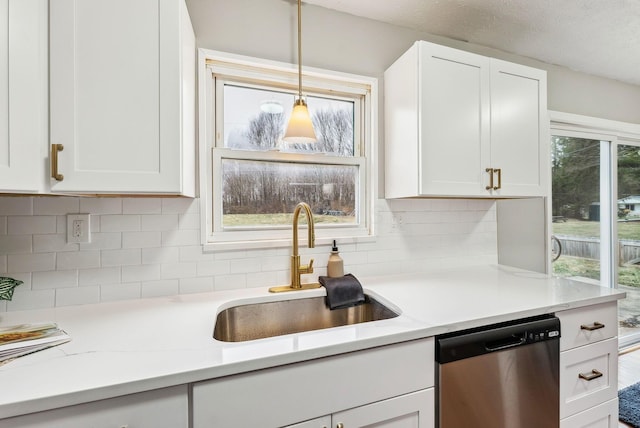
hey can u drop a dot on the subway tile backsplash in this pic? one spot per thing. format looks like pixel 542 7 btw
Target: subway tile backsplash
pixel 148 247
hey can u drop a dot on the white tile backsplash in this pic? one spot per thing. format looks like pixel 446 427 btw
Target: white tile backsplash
pixel 27 225
pixel 159 222
pixel 120 223
pixel 35 262
pixel 56 205
pixel 10 205
pixel 54 279
pixel 118 291
pixel 15 244
pixel 77 296
pixel 146 247
pixel 165 287
pixel 141 206
pixel 125 257
pixel 99 276
pixel 149 239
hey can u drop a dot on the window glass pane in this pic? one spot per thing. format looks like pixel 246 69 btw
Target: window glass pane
pixel 576 205
pixel 628 201
pixel 256 119
pixel 264 194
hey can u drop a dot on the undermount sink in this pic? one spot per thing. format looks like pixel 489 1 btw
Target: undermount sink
pixel 268 319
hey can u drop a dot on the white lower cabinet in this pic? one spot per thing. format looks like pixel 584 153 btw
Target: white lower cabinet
pixel 413 410
pixel 589 366
pixel 389 386
pixel 604 415
pixel 162 408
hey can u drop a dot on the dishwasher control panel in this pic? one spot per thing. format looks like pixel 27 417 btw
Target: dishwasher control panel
pixel 495 337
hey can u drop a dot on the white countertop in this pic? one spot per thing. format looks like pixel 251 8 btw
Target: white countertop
pixel 132 346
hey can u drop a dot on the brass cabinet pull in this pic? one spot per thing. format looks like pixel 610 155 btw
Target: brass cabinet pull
pixel 490 171
pixel 499 172
pixel 55 148
pixel 340 425
pixel 590 376
pixel 596 326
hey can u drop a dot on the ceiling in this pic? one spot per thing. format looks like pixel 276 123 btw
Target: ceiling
pixel 596 37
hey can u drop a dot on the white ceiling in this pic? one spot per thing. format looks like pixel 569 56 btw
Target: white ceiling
pixel 597 37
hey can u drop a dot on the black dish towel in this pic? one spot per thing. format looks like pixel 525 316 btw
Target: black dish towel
pixel 342 292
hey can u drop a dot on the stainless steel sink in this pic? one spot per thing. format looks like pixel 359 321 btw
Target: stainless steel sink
pixel 268 319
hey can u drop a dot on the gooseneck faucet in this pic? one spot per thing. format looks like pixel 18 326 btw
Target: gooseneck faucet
pixel 296 268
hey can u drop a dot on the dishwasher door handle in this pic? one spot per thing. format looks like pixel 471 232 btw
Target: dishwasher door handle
pixel 509 342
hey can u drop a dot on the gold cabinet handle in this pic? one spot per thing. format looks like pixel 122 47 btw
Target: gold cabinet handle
pixel 340 425
pixel 590 376
pixel 499 172
pixel 55 148
pixel 596 326
pixel 490 171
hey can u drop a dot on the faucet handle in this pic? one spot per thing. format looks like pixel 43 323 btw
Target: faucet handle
pixel 306 268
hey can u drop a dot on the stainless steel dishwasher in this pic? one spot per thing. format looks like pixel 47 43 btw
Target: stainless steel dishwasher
pixel 500 376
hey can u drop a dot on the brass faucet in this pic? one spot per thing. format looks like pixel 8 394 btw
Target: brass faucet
pixel 296 268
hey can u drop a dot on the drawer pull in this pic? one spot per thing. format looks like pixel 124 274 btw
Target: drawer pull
pixel 340 425
pixel 590 376
pixel 596 326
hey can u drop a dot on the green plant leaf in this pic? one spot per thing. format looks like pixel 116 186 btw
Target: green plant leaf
pixel 7 285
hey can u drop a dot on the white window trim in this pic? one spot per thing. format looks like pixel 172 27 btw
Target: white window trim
pixel 208 157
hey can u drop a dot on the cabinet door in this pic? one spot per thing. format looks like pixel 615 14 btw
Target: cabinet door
pixel 161 408
pixel 116 94
pixel 454 121
pixel 519 129
pixel 415 410
pixel 23 95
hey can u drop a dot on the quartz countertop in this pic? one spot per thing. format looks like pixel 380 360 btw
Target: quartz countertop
pixel 132 346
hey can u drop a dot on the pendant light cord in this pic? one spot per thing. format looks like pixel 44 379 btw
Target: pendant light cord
pixel 300 49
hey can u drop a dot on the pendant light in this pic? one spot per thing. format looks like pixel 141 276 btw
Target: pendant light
pixel 300 128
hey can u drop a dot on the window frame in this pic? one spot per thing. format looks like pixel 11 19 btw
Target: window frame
pixel 255 72
pixel 615 133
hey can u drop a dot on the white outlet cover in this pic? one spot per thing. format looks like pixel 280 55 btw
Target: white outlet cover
pixel 78 228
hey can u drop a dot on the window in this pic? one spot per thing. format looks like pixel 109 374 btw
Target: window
pixel 596 208
pixel 252 179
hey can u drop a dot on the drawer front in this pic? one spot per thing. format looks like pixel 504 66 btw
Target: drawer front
pixel 586 325
pixel 604 415
pixel 288 394
pixel 588 376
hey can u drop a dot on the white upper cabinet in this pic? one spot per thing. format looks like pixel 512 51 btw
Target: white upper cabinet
pixel 23 95
pixel 461 124
pixel 122 98
pixel 519 129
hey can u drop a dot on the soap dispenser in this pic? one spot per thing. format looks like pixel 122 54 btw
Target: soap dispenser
pixel 335 265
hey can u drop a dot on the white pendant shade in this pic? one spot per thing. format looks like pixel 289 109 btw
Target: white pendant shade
pixel 300 129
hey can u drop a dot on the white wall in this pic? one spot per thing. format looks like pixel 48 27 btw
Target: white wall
pixel 334 40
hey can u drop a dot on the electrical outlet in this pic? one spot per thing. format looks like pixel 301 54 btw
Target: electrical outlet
pixel 78 228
